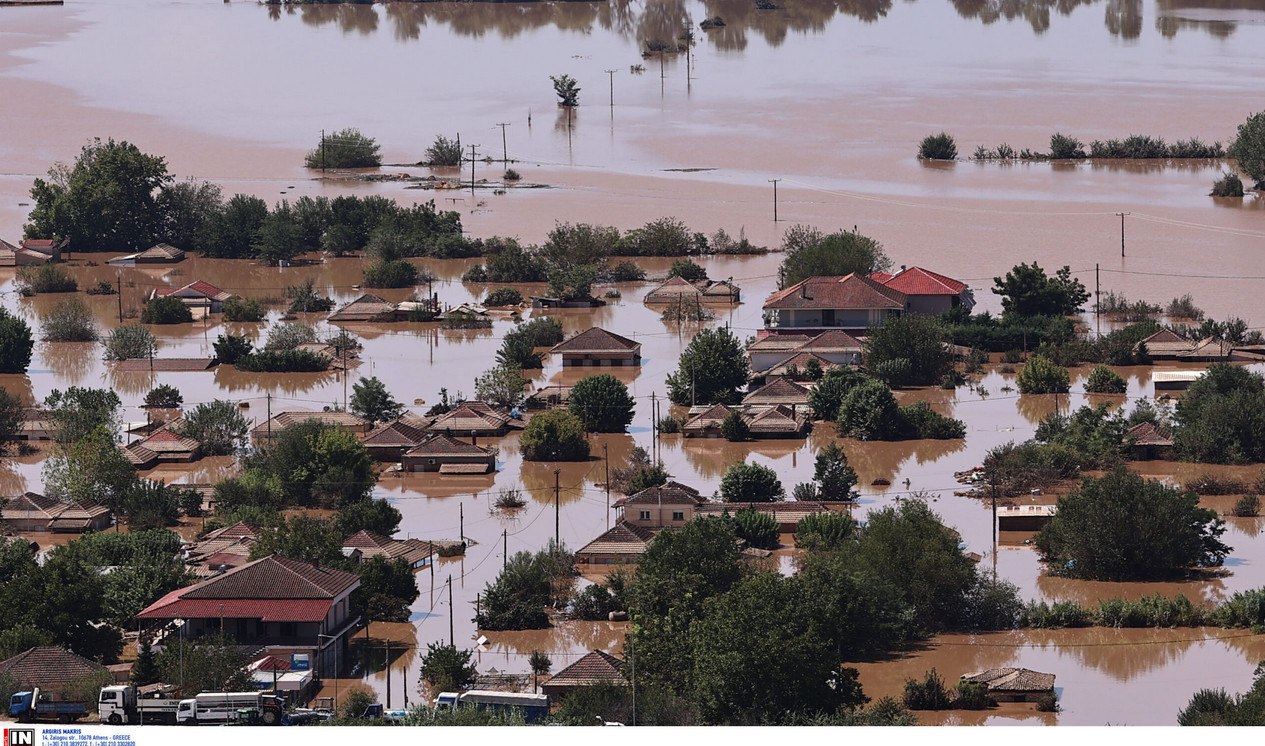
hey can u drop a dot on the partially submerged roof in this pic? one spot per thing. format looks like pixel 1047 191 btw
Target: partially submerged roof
pixel 712 417
pixel 835 340
pixel 283 420
pixel 800 362
pixel 778 391
pixel 439 445
pixel 196 289
pixel 1149 434
pixel 404 432
pixel 471 416
pixel 847 292
pixel 622 539
pixel 669 493
pixel 596 667
pixel 1013 680
pixel 775 420
pixel 595 340
pixel 367 307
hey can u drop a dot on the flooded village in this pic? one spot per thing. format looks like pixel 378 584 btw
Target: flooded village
pixel 735 329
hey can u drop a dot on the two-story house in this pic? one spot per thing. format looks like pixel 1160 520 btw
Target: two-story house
pixel 852 302
pixel 296 611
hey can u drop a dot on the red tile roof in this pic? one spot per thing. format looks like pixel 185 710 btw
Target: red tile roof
pixel 272 589
pixel 1149 434
pixel 439 444
pixel 368 307
pixel 404 432
pixel 800 361
pixel 596 339
pixel 848 292
pixel 624 538
pixel 919 281
pixel 778 391
pixel 671 493
pixel 597 667
pixel 834 340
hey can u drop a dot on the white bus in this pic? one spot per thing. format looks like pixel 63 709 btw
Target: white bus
pixel 222 707
pixel 533 707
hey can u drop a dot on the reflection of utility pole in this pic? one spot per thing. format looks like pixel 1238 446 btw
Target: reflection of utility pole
pixel 505 153
pixel 452 636
pixel 606 459
pixel 1097 302
pixel 557 513
pixel 774 183
pixel 611 73
pixel 1122 214
pixel 472 155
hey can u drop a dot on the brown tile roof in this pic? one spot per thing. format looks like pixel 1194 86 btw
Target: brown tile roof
pixel 368 307
pixel 835 340
pixel 439 444
pixel 274 578
pixel 481 468
pixel 32 506
pixel 919 281
pixel 1149 434
pixel 721 289
pixel 785 511
pixel 670 493
pixel 196 289
pixel 166 441
pixel 776 420
pixel 778 343
pixel 596 339
pixel 404 432
pixel 372 544
pixel 672 290
pixel 166 364
pixel 471 415
pixel 800 362
pixel 1013 680
pixel 1208 348
pixel 779 391
pixel 847 292
pixel 163 251
pixel 49 668
pixel 709 418
pixel 596 667
pixel 235 531
pixel 623 538
pixel 282 420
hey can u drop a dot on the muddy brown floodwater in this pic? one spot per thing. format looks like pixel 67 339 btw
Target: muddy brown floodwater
pixel 832 102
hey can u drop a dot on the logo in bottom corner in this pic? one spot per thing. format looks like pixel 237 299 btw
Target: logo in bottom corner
pixel 19 737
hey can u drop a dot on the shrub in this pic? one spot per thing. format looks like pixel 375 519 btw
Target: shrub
pixel 567 90
pixel 806 492
pixel 972 695
pixel 920 421
pixel 1246 609
pixel 687 270
pixel 1211 484
pixel 1040 615
pixel 669 424
pixel 345 148
pixel 734 427
pixel 625 271
pixel 825 532
pixel 289 336
pixel 46 278
pixel 662 237
pixel 1048 702
pixel 129 343
pixel 503 297
pixel 939 147
pixel 511 175
pixel 1248 148
pixel 443 152
pixel 758 529
pixel 1063 147
pixel 543 332
pixel 166 309
pixel 230 347
pixel 928 694
pixel 446 668
pixel 519 350
pixel 70 321
pixel 755 483
pixel 1104 380
pixel 304 299
pixel 908 350
pixel 811 253
pixel 555 435
pixel 1248 506
pixel 1183 307
pixel 283 361
pixel 396 273
pixel 1229 185
pixel 1151 611
pixel 243 310
pixel 828 394
pixel 832 473
pixel 1042 376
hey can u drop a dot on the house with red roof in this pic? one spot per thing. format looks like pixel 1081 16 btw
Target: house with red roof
pixel 31 252
pixel 852 302
pixel 296 611
pixel 926 291
pixel 198 294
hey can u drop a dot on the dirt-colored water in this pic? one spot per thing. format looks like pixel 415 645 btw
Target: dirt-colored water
pixel 759 105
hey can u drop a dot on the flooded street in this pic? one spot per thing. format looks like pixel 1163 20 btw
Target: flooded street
pixel 833 103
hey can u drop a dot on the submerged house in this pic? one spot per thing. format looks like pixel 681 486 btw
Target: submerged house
pixel 476 419
pixel 852 302
pixel 31 252
pixel 163 446
pixel 222 549
pixel 624 543
pixel 447 455
pixel 926 291
pixel 779 391
pixel 595 667
pixel 198 294
pixel 390 440
pixel 763 422
pixel 1014 684
pixel 1147 441
pixel 366 308
pixel 55 670
pixel 677 289
pixel 345 421
pixel 35 512
pixel 162 253
pixel 792 352
pixel 669 504
pixel 366 545
pixel 598 348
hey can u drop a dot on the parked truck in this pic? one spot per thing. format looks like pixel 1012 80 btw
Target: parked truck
pixel 533 707
pixel 26 707
pixel 123 705
pixel 226 707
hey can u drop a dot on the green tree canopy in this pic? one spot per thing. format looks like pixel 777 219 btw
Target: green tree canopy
pixel 1125 527
pixel 209 664
pixel 318 464
pixel 554 435
pixel 109 200
pixel 371 400
pixel 345 148
pixel 1027 290
pixel 218 425
pixel 908 350
pixel 755 483
pixel 1041 375
pixel 16 343
pixel 387 588
pixel 834 477
pixel 602 403
pixel 811 253
pixel 711 370
pixel 1248 148
pixel 1221 417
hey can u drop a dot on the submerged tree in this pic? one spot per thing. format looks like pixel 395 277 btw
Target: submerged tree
pixel 345 148
pixel 567 89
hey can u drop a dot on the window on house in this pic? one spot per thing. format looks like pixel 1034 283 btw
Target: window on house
pixel 678 515
pixel 645 515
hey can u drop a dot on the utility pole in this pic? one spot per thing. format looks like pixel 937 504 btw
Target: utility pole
pixel 505 152
pixel 557 512
pixel 322 151
pixel 606 459
pixel 472 156
pixel 120 294
pixel 774 183
pixel 505 547
pixel 654 425
pixel 1122 214
pixel 611 75
pixel 387 664
pixel 452 636
pixel 461 517
pixel 269 396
